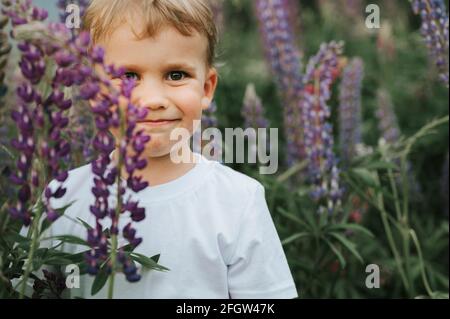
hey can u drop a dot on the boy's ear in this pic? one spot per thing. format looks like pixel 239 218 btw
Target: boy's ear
pixel 209 87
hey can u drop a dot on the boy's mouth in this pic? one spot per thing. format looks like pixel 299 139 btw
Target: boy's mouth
pixel 159 122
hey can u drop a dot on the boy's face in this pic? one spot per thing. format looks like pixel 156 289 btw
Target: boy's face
pixel 172 80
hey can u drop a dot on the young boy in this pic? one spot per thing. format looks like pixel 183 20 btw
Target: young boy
pixel 209 223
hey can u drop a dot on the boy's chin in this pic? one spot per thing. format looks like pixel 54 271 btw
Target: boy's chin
pixel 159 150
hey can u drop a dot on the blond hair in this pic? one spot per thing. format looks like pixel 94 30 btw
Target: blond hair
pixel 103 16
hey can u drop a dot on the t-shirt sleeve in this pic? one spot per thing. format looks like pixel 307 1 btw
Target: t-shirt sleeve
pixel 258 269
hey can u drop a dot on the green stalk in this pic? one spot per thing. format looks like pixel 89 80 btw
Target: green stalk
pixel 422 264
pixel 390 238
pixel 398 209
pixel 405 221
pixel 34 233
pixel 402 221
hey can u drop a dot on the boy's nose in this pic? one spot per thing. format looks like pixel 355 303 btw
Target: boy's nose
pixel 151 97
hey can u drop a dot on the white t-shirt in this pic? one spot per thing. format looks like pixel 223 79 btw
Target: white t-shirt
pixel 211 227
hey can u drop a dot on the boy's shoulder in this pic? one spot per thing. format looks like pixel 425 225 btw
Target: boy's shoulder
pixel 231 181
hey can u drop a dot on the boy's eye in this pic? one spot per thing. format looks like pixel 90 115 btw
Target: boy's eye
pixel 176 75
pixel 131 76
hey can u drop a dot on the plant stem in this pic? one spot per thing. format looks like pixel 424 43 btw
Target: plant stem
pixel 402 221
pixel 398 209
pixel 390 237
pixel 34 234
pixel 405 220
pixel 422 264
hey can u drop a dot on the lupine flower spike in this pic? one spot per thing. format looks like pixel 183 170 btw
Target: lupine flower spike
pixel 284 59
pixel 323 173
pixel 350 120
pixel 434 30
pixel 390 131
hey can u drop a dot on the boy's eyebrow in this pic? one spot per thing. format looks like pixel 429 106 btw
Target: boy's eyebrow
pixel 166 67
pixel 177 66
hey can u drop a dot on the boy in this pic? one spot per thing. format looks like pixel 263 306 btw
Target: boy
pixel 210 224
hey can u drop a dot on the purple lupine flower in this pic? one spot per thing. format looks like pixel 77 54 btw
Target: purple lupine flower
pixel 252 110
pixel 434 30
pixel 390 132
pixel 350 108
pixel 129 268
pixel 444 185
pixel 292 7
pixel 387 119
pixel 38 114
pixel 253 113
pixel 131 148
pixel 321 71
pixel 41 122
pixel 209 116
pixel 285 62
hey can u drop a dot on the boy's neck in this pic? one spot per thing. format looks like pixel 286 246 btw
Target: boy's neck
pixel 161 170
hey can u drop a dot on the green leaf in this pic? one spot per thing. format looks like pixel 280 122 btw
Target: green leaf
pixel 365 175
pixel 70 240
pixel 147 262
pixel 16 238
pixel 86 225
pixel 77 258
pixel 439 295
pixel 347 244
pixel 292 217
pixel 39 258
pixel 57 261
pixel 100 280
pixel 127 248
pixel 294 237
pixel 355 227
pixel 381 165
pixel 156 258
pixel 337 253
